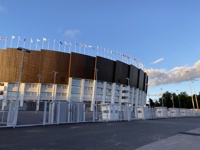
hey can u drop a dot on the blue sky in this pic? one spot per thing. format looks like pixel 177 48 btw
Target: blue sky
pixel 163 34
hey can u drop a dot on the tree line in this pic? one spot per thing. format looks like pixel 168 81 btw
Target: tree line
pixel 181 100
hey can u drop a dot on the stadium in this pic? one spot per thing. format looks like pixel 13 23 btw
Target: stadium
pixel 47 75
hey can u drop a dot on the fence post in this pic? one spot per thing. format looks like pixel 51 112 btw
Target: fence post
pixel 68 113
pixel 45 113
pixel 83 112
pixel 78 112
pixel 93 105
pixel 58 113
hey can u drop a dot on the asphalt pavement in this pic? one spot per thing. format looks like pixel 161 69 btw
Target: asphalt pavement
pixel 172 133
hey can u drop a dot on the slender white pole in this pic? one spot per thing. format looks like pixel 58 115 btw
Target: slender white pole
pixel 36 44
pixel 24 43
pixel 75 46
pixel 42 43
pixel 54 82
pixel 54 44
pixel 48 43
pixel 5 43
pixel 11 42
pixel 18 41
pixel 191 90
pixel 162 98
pixel 195 95
pixel 30 45
pixel 59 46
pixel 20 74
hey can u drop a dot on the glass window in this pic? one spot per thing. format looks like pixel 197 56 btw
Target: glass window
pixel 99 89
pixel 76 81
pixel 106 111
pixel 49 85
pixel 30 94
pixel 76 88
pixel 117 97
pixel 108 97
pixel 99 96
pixel 88 82
pixel 109 84
pixel 117 91
pixel 59 86
pixel 12 85
pixel 108 90
pixel 64 94
pixel 11 93
pixel 75 95
pixel 46 94
pixel 31 85
pixel 88 89
pixel 99 83
pixel 61 94
pixel 117 85
pixel 87 96
pixel 64 87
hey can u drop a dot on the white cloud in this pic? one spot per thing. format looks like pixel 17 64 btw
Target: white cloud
pixel 158 60
pixel 175 75
pixel 2 8
pixel 72 33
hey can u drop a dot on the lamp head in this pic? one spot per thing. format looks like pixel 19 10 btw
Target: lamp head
pixel 21 48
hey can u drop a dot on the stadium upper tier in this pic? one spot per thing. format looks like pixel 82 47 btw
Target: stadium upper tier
pixel 67 65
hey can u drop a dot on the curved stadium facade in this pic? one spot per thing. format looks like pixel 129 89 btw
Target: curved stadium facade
pixel 79 78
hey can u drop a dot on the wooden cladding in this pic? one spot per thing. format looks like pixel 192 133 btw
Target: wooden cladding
pixel 134 76
pixel 54 61
pixel 141 80
pixel 67 65
pixel 106 69
pixel 36 62
pixel 82 66
pixel 121 73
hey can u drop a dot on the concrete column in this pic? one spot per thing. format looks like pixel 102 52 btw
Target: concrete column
pixel 5 95
pixel 113 93
pixel 82 89
pixel 136 101
pixel 54 91
pixel 144 98
pixel 93 94
pixel 38 96
pixel 104 92
pixel 140 98
pixel 21 97
pixel 69 90
pixel 120 97
pixel 132 98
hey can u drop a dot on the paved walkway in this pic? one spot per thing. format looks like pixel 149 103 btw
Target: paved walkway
pixel 160 134
pixel 189 140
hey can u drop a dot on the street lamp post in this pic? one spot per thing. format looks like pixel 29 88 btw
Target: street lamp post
pixel 196 98
pixel 21 68
pixel 96 70
pixel 162 98
pixel 128 81
pixel 39 87
pixel 54 82
pixel 191 90
pixel 172 100
pixel 178 99
pixel 18 87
